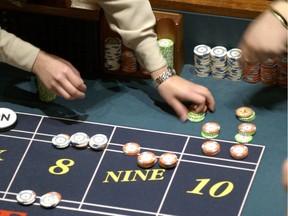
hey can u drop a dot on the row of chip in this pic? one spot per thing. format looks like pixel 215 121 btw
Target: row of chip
pixel 147 159
pixel 271 72
pixel 237 151
pixel 48 200
pixel 118 57
pixel 80 140
pixel 218 62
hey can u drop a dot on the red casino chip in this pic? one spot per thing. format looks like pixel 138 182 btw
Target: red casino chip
pixel 211 148
pixel 244 112
pixel 239 151
pixel 131 148
pixel 146 159
pixel 168 160
pixel 247 129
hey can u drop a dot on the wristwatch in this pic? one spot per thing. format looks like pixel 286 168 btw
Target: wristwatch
pixel 169 72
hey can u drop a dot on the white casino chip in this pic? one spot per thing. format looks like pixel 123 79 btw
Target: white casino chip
pixel 202 49
pixel 79 140
pixel 218 51
pixel 26 197
pixel 234 54
pixel 50 200
pixel 61 141
pixel 98 141
pixel 7 118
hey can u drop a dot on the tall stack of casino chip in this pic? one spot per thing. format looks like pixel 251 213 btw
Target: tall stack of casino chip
pixel 129 63
pixel 112 54
pixel 269 72
pixel 167 49
pixel 234 68
pixel 252 72
pixel 282 71
pixel 202 60
pixel 218 62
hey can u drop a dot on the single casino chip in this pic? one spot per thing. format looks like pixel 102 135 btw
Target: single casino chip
pixel 210 130
pixel 131 148
pixel 26 197
pixel 50 199
pixel 211 148
pixel 247 129
pixel 168 160
pixel 98 142
pixel 239 151
pixel 80 140
pixel 146 159
pixel 8 119
pixel 61 141
pixel 240 138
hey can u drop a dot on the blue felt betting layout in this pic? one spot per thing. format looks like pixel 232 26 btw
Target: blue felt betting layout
pixel 109 182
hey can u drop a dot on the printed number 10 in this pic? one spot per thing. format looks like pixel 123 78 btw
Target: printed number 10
pixel 213 190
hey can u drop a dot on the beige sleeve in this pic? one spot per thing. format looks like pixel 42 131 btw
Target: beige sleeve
pixel 17 52
pixel 134 21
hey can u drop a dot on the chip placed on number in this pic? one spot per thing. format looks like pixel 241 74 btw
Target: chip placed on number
pixel 131 148
pixel 146 159
pixel 168 160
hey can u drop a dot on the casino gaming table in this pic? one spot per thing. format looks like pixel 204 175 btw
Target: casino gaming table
pixel 130 109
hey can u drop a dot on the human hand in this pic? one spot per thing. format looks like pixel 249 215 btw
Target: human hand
pixel 59 76
pixel 264 38
pixel 177 90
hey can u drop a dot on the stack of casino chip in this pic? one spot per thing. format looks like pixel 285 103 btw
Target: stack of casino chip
pixel 210 130
pixel 234 68
pixel 146 159
pixel 112 53
pixel 239 151
pixel 129 63
pixel 80 140
pixel 202 60
pixel 44 93
pixel 269 72
pixel 211 148
pixel 245 133
pixel 26 197
pixel 282 71
pixel 50 199
pixel 218 62
pixel 167 49
pixel 168 160
pixel 194 116
pixel 245 114
pixel 252 72
pixel 98 142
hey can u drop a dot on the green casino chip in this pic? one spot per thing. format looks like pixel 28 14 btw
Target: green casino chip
pixel 240 138
pixel 167 49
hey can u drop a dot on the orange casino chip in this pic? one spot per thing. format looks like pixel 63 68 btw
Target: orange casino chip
pixel 247 129
pixel 211 148
pixel 211 128
pixel 131 148
pixel 168 160
pixel 146 159
pixel 193 107
pixel 239 151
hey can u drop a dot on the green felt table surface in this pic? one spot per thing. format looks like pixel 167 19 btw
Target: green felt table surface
pixel 136 103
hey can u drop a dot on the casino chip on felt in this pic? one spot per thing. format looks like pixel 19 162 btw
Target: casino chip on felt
pixel 50 199
pixel 80 140
pixel 8 119
pixel 26 197
pixel 245 114
pixel 146 159
pixel 210 130
pixel 168 160
pixel 131 148
pixel 211 148
pixel 61 141
pixel 98 142
pixel 239 151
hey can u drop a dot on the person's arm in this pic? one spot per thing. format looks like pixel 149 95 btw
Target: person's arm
pixel 58 75
pixel 266 36
pixel 134 21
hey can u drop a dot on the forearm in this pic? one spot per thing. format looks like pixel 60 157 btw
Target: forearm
pixel 17 52
pixel 134 21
